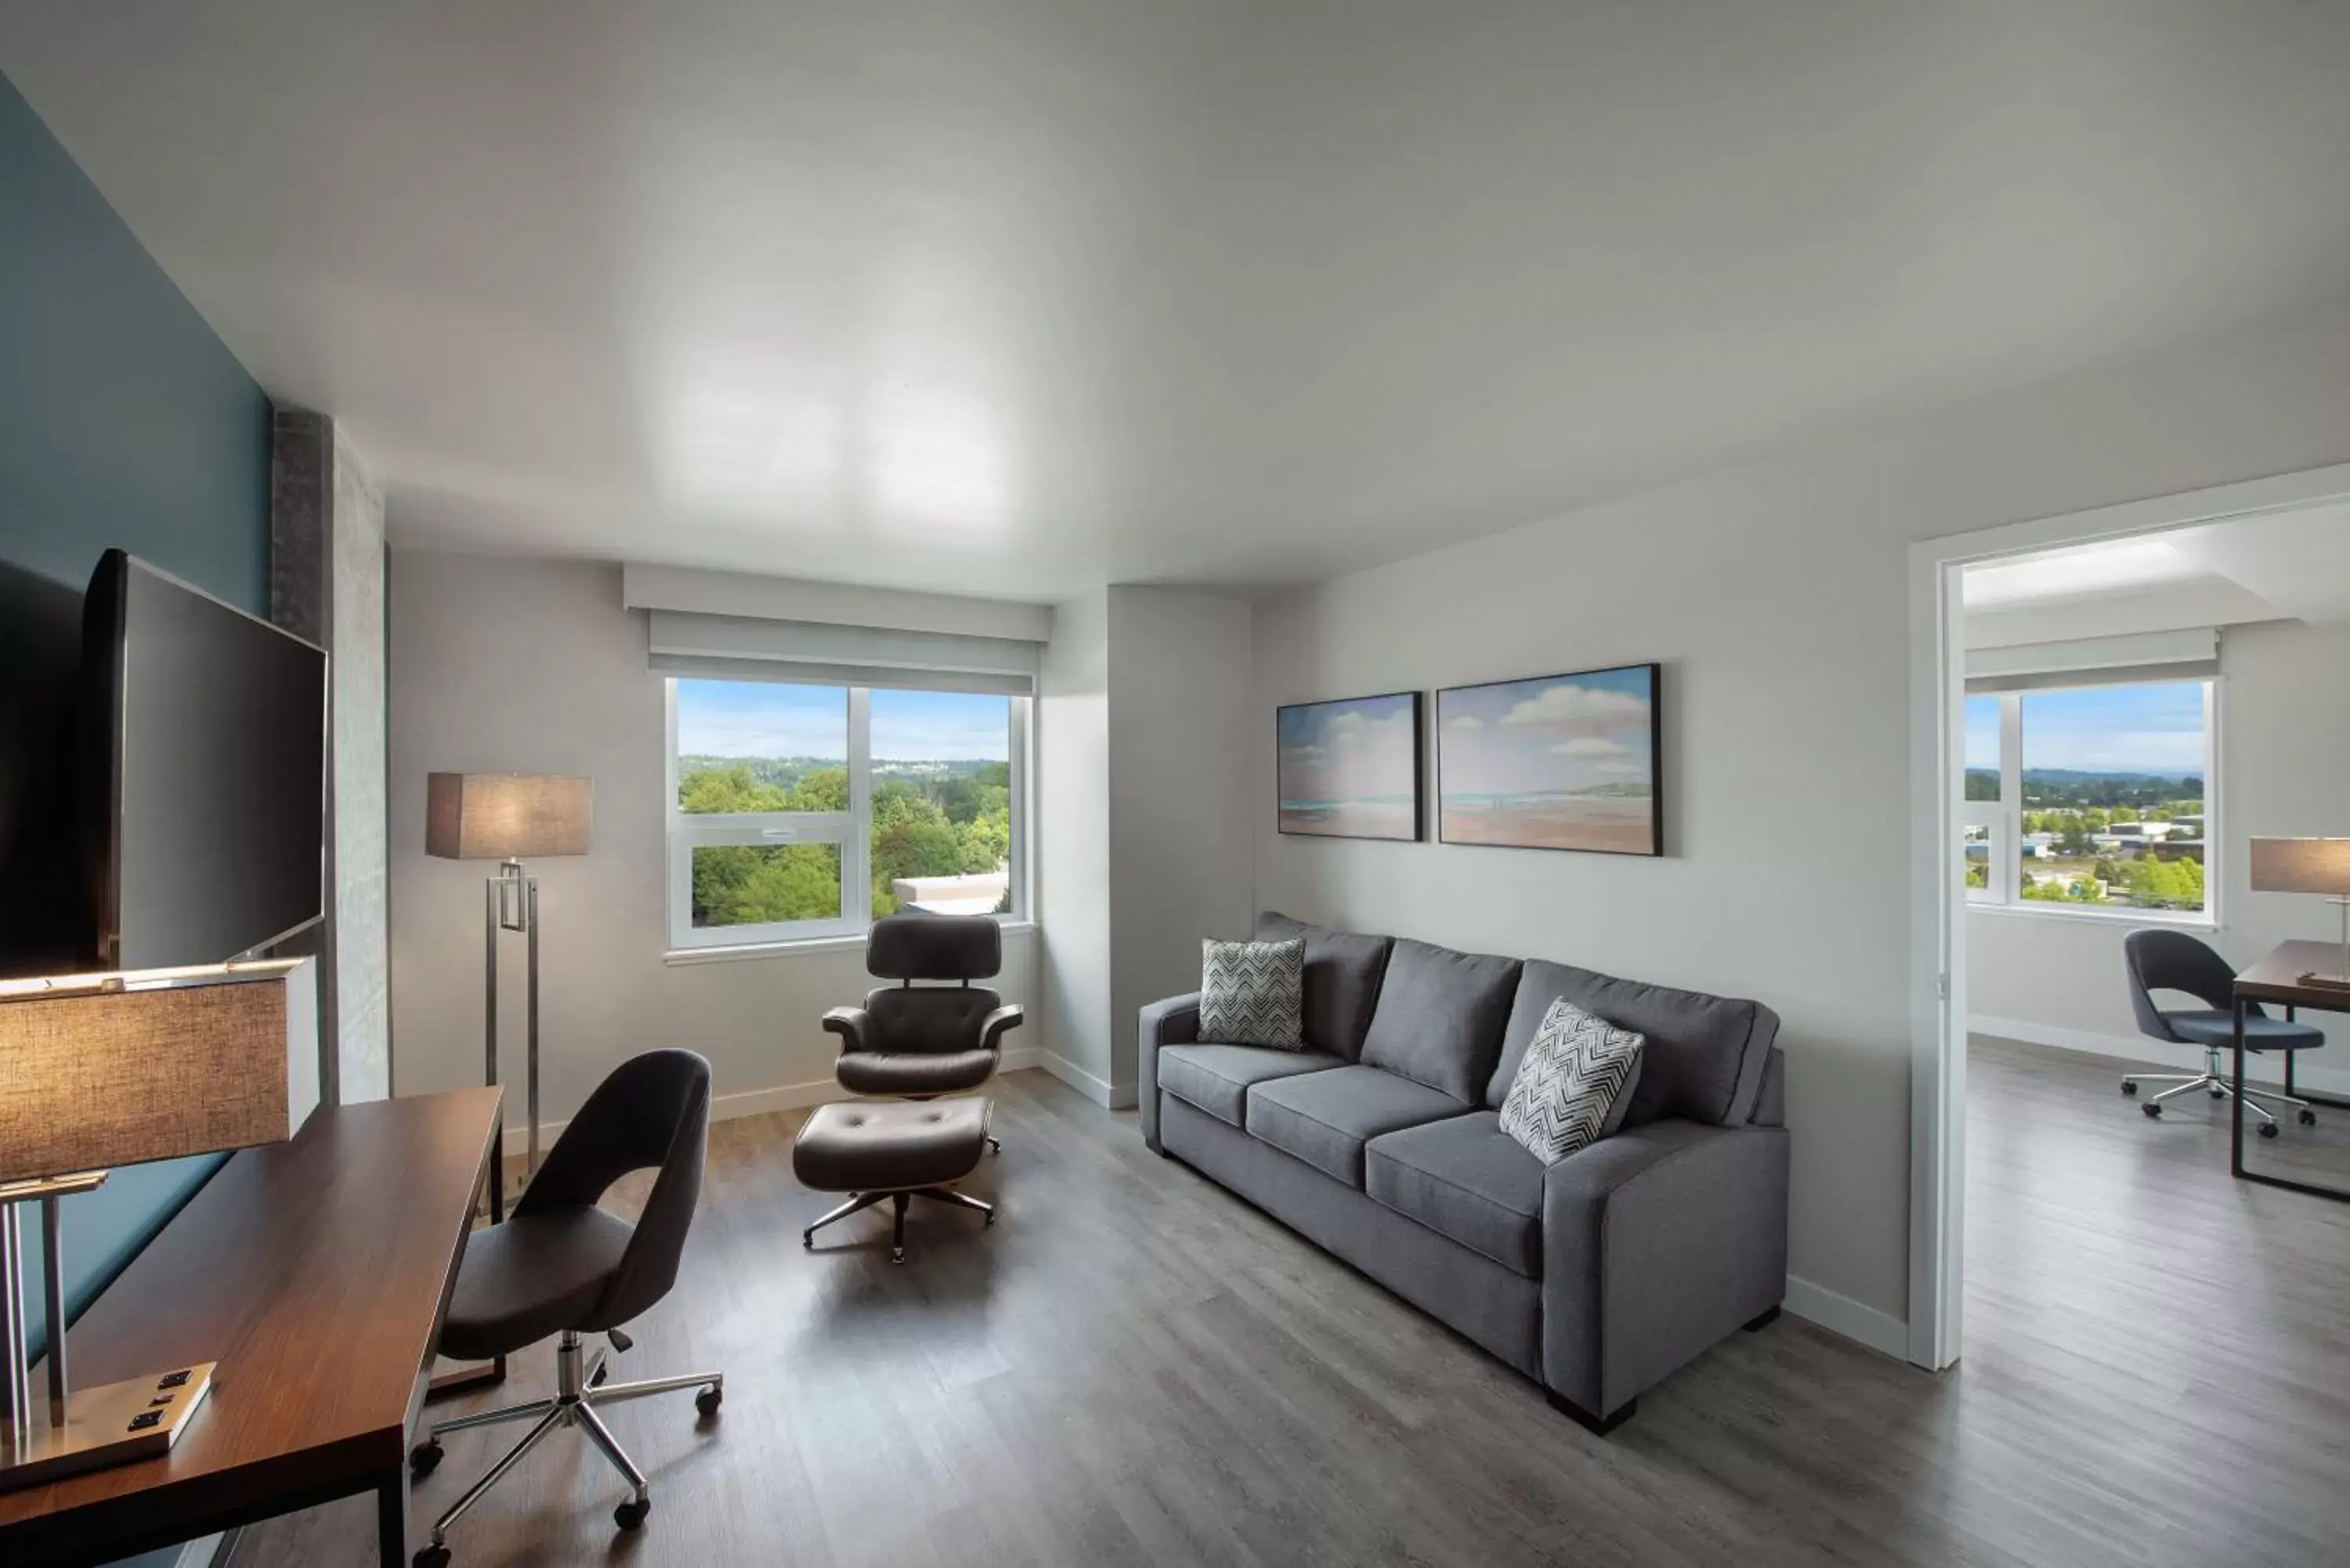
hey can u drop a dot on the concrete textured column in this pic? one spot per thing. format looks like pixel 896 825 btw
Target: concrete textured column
pixel 327 584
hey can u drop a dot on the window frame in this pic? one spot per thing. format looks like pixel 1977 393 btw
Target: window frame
pixel 852 830
pixel 2003 818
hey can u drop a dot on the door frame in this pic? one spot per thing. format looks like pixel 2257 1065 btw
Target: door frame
pixel 1937 878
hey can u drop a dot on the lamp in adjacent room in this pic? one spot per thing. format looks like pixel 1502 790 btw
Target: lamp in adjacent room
pixel 509 817
pixel 99 1070
pixel 2309 865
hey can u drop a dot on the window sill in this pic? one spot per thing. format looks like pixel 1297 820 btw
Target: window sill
pixel 676 957
pixel 2052 910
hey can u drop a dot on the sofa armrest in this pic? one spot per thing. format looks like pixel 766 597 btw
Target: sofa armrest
pixel 1173 1021
pixel 851 1023
pixel 992 1028
pixel 1657 1244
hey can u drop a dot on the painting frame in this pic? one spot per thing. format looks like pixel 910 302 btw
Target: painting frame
pixel 1653 671
pixel 1418 784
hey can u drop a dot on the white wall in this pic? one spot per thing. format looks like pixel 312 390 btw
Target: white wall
pixel 534 666
pixel 1775 595
pixel 2284 757
pixel 1072 838
pixel 1181 770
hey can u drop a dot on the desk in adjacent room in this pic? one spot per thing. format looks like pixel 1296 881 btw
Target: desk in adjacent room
pixel 315 1272
pixel 2276 981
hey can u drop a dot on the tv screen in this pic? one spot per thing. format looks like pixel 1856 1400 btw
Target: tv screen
pixel 208 747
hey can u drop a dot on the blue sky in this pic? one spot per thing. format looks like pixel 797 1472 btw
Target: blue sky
pixel 773 719
pixel 2151 729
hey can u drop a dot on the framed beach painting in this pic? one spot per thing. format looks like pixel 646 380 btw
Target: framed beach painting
pixel 1351 769
pixel 1556 762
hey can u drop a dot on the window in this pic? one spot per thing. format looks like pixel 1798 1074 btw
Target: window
pixel 2091 797
pixel 805 811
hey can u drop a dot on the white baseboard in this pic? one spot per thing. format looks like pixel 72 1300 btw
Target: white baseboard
pixel 2263 1069
pixel 1115 1097
pixel 781 1097
pixel 1879 1331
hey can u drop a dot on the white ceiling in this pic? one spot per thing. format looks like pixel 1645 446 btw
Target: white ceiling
pixel 1027 295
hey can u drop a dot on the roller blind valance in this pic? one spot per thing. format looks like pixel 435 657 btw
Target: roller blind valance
pixel 2192 655
pixel 746 648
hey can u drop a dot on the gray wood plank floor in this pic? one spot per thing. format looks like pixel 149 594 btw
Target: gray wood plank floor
pixel 1133 1366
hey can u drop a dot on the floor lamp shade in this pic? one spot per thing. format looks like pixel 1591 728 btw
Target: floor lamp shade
pixel 98 1071
pixel 2301 865
pixel 507 816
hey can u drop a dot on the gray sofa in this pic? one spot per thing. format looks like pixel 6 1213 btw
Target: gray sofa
pixel 1381 1143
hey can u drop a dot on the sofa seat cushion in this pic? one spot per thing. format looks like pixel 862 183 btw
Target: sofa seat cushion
pixel 1216 1078
pixel 1326 1118
pixel 1467 1180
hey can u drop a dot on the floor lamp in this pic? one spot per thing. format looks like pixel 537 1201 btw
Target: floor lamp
pixel 508 817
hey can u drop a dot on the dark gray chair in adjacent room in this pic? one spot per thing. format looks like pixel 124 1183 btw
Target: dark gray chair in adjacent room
pixel 913 1041
pixel 2173 960
pixel 560 1265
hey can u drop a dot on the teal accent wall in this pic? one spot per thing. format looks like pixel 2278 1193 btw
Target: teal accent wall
pixel 124 420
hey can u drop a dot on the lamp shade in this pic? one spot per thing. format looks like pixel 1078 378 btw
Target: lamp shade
pixel 2301 865
pixel 501 817
pixel 106 1070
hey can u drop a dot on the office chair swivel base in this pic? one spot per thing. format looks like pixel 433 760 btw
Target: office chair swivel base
pixel 580 1388
pixel 2215 1083
pixel 859 1201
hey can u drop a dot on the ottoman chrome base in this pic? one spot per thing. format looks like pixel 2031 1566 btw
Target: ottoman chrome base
pixel 894 1149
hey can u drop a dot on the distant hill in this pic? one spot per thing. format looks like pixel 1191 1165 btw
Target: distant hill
pixel 2099 775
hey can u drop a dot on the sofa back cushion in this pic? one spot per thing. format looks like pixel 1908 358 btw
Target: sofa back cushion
pixel 1343 972
pixel 1704 1056
pixel 1440 1017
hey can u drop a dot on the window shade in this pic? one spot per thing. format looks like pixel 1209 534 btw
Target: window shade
pixel 742 648
pixel 2095 661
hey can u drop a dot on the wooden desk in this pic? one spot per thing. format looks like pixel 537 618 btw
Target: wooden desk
pixel 2276 978
pixel 316 1272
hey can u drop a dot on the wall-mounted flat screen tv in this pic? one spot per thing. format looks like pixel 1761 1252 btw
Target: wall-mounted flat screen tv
pixel 204 772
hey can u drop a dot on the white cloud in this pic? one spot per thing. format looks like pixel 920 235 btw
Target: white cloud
pixel 1467 722
pixel 1592 749
pixel 1581 707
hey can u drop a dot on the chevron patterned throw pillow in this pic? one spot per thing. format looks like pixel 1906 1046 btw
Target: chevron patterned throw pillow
pixel 1253 993
pixel 1575 1069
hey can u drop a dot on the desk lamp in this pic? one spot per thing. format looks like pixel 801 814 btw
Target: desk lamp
pixel 99 1070
pixel 2309 865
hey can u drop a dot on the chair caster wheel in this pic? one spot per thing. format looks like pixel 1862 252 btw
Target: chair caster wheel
pixel 988 1220
pixel 2219 1094
pixel 709 1400
pixel 630 1514
pixel 995 1146
pixel 422 1460
pixel 2308 1118
pixel 2129 1088
pixel 807 1242
pixel 431 1557
pixel 896 1254
pixel 2267 1129
pixel 2151 1108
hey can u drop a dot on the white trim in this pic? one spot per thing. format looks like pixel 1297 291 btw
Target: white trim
pixel 2036 909
pixel 782 1098
pixel 1937 879
pixel 2261 1068
pixel 1879 1331
pixel 1113 1096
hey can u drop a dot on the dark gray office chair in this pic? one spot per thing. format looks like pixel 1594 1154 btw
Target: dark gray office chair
pixel 560 1265
pixel 910 1042
pixel 2173 960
